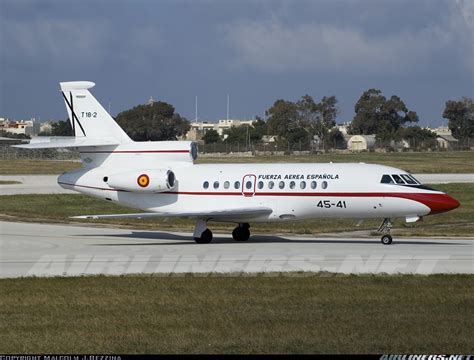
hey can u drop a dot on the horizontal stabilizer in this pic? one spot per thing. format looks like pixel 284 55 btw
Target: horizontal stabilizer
pixel 48 142
pixel 212 214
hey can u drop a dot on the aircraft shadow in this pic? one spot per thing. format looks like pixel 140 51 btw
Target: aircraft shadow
pixel 255 239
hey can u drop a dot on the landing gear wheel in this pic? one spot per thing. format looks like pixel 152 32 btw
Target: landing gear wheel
pixel 206 237
pixel 241 232
pixel 386 239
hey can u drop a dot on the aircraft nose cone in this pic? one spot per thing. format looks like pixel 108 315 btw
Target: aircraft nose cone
pixel 442 203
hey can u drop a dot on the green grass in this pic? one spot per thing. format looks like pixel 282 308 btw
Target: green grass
pixel 426 162
pixel 9 182
pixel 37 167
pixel 59 207
pixel 279 314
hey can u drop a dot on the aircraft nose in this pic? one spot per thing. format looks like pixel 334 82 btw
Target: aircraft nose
pixel 440 203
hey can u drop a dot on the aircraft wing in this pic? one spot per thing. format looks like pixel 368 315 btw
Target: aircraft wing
pixel 210 214
pixel 48 142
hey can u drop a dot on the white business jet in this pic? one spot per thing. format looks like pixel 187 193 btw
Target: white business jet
pixel 161 179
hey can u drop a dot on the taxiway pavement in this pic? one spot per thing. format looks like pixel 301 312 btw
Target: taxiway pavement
pixel 32 184
pixel 32 249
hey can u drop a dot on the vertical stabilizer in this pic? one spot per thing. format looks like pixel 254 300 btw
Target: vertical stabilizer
pixel 88 118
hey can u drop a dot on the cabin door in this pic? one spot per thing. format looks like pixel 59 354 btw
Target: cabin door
pixel 248 185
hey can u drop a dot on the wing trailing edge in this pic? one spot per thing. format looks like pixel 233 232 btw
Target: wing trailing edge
pixel 211 214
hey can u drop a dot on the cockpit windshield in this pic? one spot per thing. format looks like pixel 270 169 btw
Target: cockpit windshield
pixel 408 179
pixel 399 179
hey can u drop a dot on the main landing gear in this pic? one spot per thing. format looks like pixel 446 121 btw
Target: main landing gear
pixel 385 228
pixel 241 232
pixel 202 235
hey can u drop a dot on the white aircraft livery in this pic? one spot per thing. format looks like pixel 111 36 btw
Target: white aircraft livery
pixel 161 179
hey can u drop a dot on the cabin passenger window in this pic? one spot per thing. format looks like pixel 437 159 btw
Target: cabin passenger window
pixel 302 184
pixel 237 185
pixel 226 184
pixel 205 185
pixel 386 179
pixel 324 184
pixel 271 184
pixel 216 184
pixel 314 184
pixel 248 185
pixel 408 179
pixel 292 184
pixel 260 184
pixel 281 185
pixel 398 179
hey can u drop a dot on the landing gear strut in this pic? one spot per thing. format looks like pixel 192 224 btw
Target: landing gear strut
pixel 241 232
pixel 385 228
pixel 202 235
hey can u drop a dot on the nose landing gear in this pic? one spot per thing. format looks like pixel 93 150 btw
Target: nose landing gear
pixel 385 228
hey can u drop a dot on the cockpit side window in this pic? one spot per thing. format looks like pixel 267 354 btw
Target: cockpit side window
pixel 387 179
pixel 408 179
pixel 398 179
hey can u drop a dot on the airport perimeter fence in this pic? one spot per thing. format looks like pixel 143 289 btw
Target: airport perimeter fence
pixel 219 149
pixel 282 148
pixel 288 148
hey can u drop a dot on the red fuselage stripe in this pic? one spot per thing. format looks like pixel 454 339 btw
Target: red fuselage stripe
pixel 410 196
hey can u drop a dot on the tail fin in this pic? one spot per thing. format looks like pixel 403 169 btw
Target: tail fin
pixel 88 118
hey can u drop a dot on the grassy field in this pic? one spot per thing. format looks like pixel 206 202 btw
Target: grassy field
pixel 37 167
pixel 58 208
pixel 311 314
pixel 427 162
pixel 9 182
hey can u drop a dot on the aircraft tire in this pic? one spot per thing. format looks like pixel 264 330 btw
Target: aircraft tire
pixel 386 239
pixel 206 237
pixel 241 233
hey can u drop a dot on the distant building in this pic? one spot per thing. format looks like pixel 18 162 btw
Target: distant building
pixel 441 130
pixel 269 139
pixel 343 128
pixel 227 124
pixel 26 127
pixel 361 142
pixel 151 101
pixel 198 129
pixel 46 127
pixel 447 142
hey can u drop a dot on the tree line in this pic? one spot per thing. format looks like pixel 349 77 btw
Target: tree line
pixel 302 121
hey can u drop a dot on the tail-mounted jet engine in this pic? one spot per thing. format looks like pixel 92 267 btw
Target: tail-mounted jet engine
pixel 160 180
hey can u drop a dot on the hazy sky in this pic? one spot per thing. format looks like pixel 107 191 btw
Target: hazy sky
pixel 257 51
